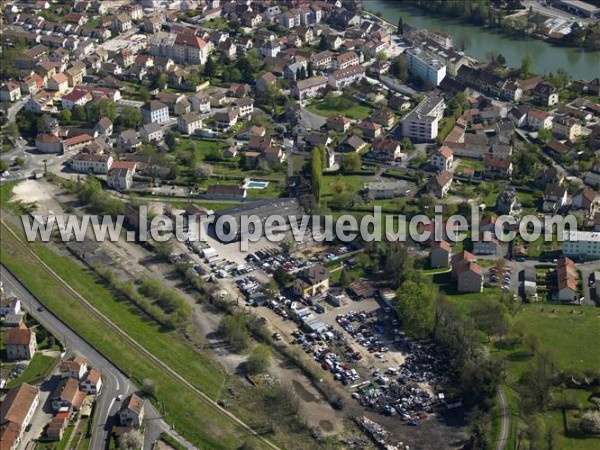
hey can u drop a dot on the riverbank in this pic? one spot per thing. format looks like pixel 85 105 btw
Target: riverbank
pixel 481 40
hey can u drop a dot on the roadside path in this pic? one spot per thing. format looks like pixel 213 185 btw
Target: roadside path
pixel 504 420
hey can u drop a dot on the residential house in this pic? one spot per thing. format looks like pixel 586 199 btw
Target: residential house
pixel 439 255
pixel 489 83
pixel 155 112
pixel 383 117
pixel 238 90
pixel 539 120
pixel 555 197
pixel 373 47
pixel 496 167
pixel 131 413
pixel 9 305
pixel 440 184
pixel 75 367
pixel 351 143
pixel 104 127
pixel 129 140
pixel 16 412
pixel 345 77
pixel 567 127
pixel 442 159
pixel 312 282
pixel 293 70
pixel 48 143
pixel 226 119
pixel 334 41
pixel 314 139
pixel 119 177
pixel 386 189
pixel 226 192
pixel 290 19
pixel 153 25
pixel 190 49
pixel 91 163
pixel 270 48
pixel 20 343
pixel 266 81
pixel 121 22
pixel 75 98
pixel 152 133
pixel 251 19
pixel 518 116
pixel 77 142
pixel 10 92
pixel 506 202
pixel 321 60
pixel 545 94
pixel 309 88
pixel 585 198
pixel 58 82
pixel 386 149
pixel 486 245
pixel 370 130
pixel 556 148
pixel 91 383
pixel 470 277
pixel 346 59
pixel 189 123
pixel 245 106
pixel 67 396
pixel 200 102
pixel 338 123
pixel 273 154
pixel 566 280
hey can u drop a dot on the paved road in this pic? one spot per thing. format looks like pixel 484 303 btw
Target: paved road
pixel 553 12
pixel 504 420
pixel 114 382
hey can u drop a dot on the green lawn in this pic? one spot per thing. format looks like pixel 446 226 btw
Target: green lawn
pixel 36 369
pixel 196 419
pixel 352 109
pixel 567 335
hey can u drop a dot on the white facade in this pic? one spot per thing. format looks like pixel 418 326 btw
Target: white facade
pixel 582 245
pixel 422 122
pixel 426 65
pixel 86 163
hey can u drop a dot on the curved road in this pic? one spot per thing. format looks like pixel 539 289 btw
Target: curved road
pixel 504 420
pixel 114 382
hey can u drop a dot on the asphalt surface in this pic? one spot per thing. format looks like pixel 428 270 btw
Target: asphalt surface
pixel 114 382
pixel 505 420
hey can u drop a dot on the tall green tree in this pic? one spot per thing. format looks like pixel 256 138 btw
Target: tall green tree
pixel 416 307
pixel 316 173
pixel 400 25
pixel 527 66
pixel 210 68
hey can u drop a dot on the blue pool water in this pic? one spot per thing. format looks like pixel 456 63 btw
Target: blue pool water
pixel 257 184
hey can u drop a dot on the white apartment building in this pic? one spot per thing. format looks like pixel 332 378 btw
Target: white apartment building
pixel 582 245
pixel 188 123
pixel 155 112
pixel 345 77
pixel 426 65
pixel 421 123
pixel 87 163
pixel 311 87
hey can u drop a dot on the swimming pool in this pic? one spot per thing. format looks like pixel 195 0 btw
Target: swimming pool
pixel 256 184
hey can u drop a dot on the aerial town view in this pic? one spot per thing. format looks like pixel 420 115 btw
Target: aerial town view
pixel 300 224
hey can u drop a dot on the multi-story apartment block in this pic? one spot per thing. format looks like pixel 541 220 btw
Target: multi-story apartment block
pixel 421 123
pixel 426 65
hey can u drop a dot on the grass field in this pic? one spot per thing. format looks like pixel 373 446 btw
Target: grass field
pixel 199 421
pixel 37 367
pixel 350 108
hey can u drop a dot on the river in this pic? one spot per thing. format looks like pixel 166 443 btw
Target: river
pixel 580 63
